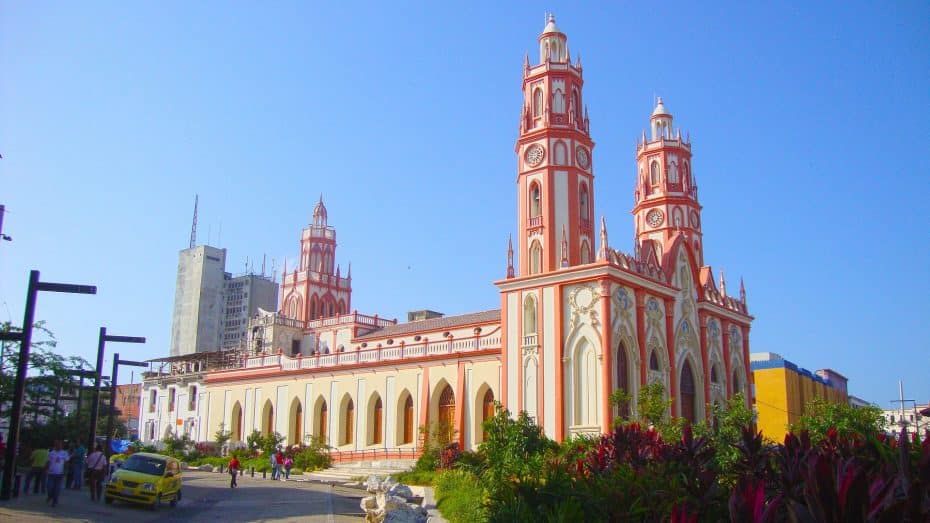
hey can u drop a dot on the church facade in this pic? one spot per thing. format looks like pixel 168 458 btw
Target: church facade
pixel 577 319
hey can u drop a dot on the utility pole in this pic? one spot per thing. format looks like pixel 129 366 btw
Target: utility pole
pixel 903 421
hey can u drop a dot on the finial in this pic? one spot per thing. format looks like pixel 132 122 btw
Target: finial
pixel 285 268
pixel 337 272
pixel 510 256
pixel 679 134
pixel 644 136
pixel 602 252
pixel 578 61
pixel 564 261
pixel 526 61
pixel 349 273
pixel 742 291
pixel 723 284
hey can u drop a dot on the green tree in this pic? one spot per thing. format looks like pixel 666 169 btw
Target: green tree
pixel 221 437
pixel 820 416
pixel 725 431
pixel 514 449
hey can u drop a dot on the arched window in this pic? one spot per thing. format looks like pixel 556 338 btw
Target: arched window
pixel 350 422
pixel 576 103
pixel 537 102
pixel 535 258
pixel 313 307
pixel 653 361
pixel 447 407
pixel 585 253
pixel 529 316
pixel 558 102
pixel 236 423
pixel 688 395
pixel 535 200
pixel 297 420
pixel 713 373
pixel 487 411
pixel 268 420
pixel 623 377
pixel 673 173
pixel 324 423
pixel 583 207
pixel 654 174
pixel 377 422
pixel 408 420
pixel 736 382
pixel 585 378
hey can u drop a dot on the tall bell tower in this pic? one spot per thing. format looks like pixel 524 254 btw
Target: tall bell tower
pixel 666 194
pixel 555 180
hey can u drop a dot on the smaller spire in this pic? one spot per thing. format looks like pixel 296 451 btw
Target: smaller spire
pixel 510 273
pixel 723 284
pixel 349 273
pixel 679 134
pixel 526 63
pixel 578 61
pixel 564 262
pixel 742 291
pixel 602 252
pixel 337 273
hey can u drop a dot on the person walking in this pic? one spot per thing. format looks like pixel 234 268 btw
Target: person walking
pixel 279 462
pixel 233 471
pixel 77 467
pixel 55 467
pixel 37 461
pixel 274 465
pixel 288 463
pixel 96 464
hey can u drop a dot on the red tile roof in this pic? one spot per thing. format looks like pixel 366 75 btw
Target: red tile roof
pixel 434 324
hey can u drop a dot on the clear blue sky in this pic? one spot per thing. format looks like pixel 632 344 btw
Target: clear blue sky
pixel 809 125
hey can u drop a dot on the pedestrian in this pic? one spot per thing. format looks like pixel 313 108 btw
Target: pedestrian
pixel 279 463
pixel 96 464
pixel 69 467
pixel 77 466
pixel 37 461
pixel 55 466
pixel 288 463
pixel 233 471
pixel 274 465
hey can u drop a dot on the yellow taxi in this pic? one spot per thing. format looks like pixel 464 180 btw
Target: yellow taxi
pixel 147 479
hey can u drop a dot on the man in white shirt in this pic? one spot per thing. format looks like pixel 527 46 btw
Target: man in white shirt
pixel 55 468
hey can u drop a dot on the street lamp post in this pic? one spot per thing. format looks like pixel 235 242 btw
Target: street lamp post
pixel 25 339
pixel 95 405
pixel 116 363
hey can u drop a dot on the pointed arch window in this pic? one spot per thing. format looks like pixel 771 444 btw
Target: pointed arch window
pixel 297 431
pixel 688 394
pixel 736 382
pixel 324 423
pixel 529 316
pixel 408 420
pixel 654 174
pixel 377 422
pixel 583 203
pixel 576 103
pixel 535 200
pixel 487 411
pixel 713 373
pixel 623 377
pixel 558 102
pixel 535 258
pixel 447 407
pixel 350 422
pixel 585 253
pixel 537 102
pixel 653 361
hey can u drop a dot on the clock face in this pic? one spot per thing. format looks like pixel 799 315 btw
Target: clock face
pixel 655 218
pixel 581 155
pixel 534 155
pixel 695 220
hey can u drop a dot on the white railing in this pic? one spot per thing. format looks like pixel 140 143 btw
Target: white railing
pixel 393 353
pixel 529 341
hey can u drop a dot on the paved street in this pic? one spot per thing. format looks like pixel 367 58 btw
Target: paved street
pixel 206 497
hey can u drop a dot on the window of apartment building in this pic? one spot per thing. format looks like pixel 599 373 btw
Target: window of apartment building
pixel 153 396
pixel 193 395
pixel 171 399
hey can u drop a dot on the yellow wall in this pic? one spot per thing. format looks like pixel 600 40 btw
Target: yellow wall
pixel 781 396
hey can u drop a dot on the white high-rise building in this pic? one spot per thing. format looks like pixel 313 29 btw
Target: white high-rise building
pixel 198 300
pixel 244 296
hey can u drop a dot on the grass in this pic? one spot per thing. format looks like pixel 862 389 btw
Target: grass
pixel 460 497
pixel 417 477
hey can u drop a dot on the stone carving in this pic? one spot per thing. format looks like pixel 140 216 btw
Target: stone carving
pixel 388 502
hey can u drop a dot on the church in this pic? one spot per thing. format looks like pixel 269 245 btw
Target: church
pixel 577 319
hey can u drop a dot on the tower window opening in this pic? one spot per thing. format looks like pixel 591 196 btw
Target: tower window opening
pixel 654 174
pixel 529 316
pixel 535 200
pixel 535 258
pixel 537 102
pixel 583 203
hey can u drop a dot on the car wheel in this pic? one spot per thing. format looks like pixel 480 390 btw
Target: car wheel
pixel 108 500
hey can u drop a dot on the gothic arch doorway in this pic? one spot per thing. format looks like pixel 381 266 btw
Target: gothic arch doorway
pixel 688 393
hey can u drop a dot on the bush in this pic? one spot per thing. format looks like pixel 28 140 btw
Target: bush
pixel 424 478
pixel 314 456
pixel 460 497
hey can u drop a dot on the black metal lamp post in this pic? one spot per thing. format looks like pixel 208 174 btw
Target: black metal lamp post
pixel 116 363
pixel 95 406
pixel 25 339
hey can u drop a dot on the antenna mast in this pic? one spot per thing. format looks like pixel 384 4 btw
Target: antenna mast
pixel 194 224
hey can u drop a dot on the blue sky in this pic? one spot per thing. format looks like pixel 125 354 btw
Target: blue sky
pixel 809 125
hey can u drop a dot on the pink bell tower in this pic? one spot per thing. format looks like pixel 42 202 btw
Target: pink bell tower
pixel 666 194
pixel 555 179
pixel 316 288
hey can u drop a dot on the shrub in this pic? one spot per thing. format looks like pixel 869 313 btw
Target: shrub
pixel 424 478
pixel 460 497
pixel 314 456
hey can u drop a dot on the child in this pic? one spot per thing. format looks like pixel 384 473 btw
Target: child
pixel 288 463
